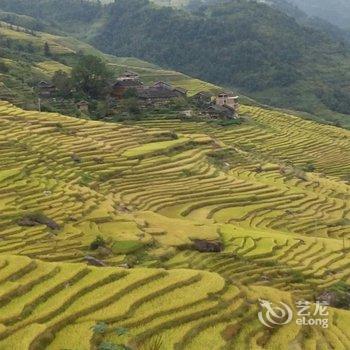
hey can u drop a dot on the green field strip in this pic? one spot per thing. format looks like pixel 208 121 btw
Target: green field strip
pixel 72 315
pixel 183 297
pixel 11 270
pixel 203 327
pixel 23 307
pixel 190 317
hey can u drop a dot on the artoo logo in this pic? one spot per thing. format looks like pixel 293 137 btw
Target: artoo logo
pixel 273 315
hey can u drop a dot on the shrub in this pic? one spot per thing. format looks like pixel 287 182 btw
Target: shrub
pixel 342 294
pixel 309 167
pixel 126 247
pixel 97 242
pixel 186 172
pixel 297 277
pixel 3 68
pixel 132 106
pixel 100 328
pixel 130 93
pixel 85 179
pixel 112 346
pixel 121 331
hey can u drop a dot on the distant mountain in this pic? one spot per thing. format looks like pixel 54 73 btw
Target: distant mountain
pixel 334 11
pixel 309 20
pixel 244 45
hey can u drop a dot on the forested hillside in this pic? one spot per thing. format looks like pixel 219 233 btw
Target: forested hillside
pixel 28 57
pixel 244 45
pixel 308 19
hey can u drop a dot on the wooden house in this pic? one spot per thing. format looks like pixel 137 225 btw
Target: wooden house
pixel 161 85
pixel 129 75
pixel 46 89
pixel 83 106
pixel 202 99
pixel 156 94
pixel 121 86
pixel 181 92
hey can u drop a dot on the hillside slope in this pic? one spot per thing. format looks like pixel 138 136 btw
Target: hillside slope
pixel 24 64
pixel 148 190
pixel 240 44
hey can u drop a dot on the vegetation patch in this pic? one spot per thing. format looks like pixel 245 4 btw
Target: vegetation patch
pixel 155 147
pixel 337 295
pixel 126 247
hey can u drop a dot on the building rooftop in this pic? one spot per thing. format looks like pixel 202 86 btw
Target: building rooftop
pixel 180 89
pixel 127 83
pixel 45 84
pixel 156 93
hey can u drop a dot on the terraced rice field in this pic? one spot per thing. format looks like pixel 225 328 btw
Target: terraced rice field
pixel 150 189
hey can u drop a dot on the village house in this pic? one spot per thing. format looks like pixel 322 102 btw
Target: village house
pixel 222 106
pixel 181 92
pixel 158 92
pixel 121 86
pixel 152 94
pixel 129 75
pixel 163 86
pixel 227 100
pixel 127 81
pixel 215 111
pixel 83 106
pixel 203 99
pixel 46 89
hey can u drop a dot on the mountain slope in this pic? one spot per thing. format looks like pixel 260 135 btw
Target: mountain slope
pixel 336 11
pixel 252 47
pixel 245 45
pixel 24 63
pixel 305 19
pixel 148 196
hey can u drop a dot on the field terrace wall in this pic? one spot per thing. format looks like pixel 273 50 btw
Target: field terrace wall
pixel 164 183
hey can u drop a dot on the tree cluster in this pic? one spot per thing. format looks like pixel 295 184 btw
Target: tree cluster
pixel 88 79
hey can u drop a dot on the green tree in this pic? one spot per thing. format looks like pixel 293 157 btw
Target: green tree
pixel 132 106
pixel 130 93
pixel 47 50
pixel 90 76
pixel 63 82
pixel 100 328
pixel 3 67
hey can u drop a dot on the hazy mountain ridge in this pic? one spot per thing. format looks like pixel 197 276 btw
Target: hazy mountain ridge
pixel 334 11
pixel 310 20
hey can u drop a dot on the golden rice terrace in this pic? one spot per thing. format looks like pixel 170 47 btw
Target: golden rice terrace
pixel 268 200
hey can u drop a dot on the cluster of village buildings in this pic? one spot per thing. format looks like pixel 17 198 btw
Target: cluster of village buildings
pixel 221 106
pixel 156 92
